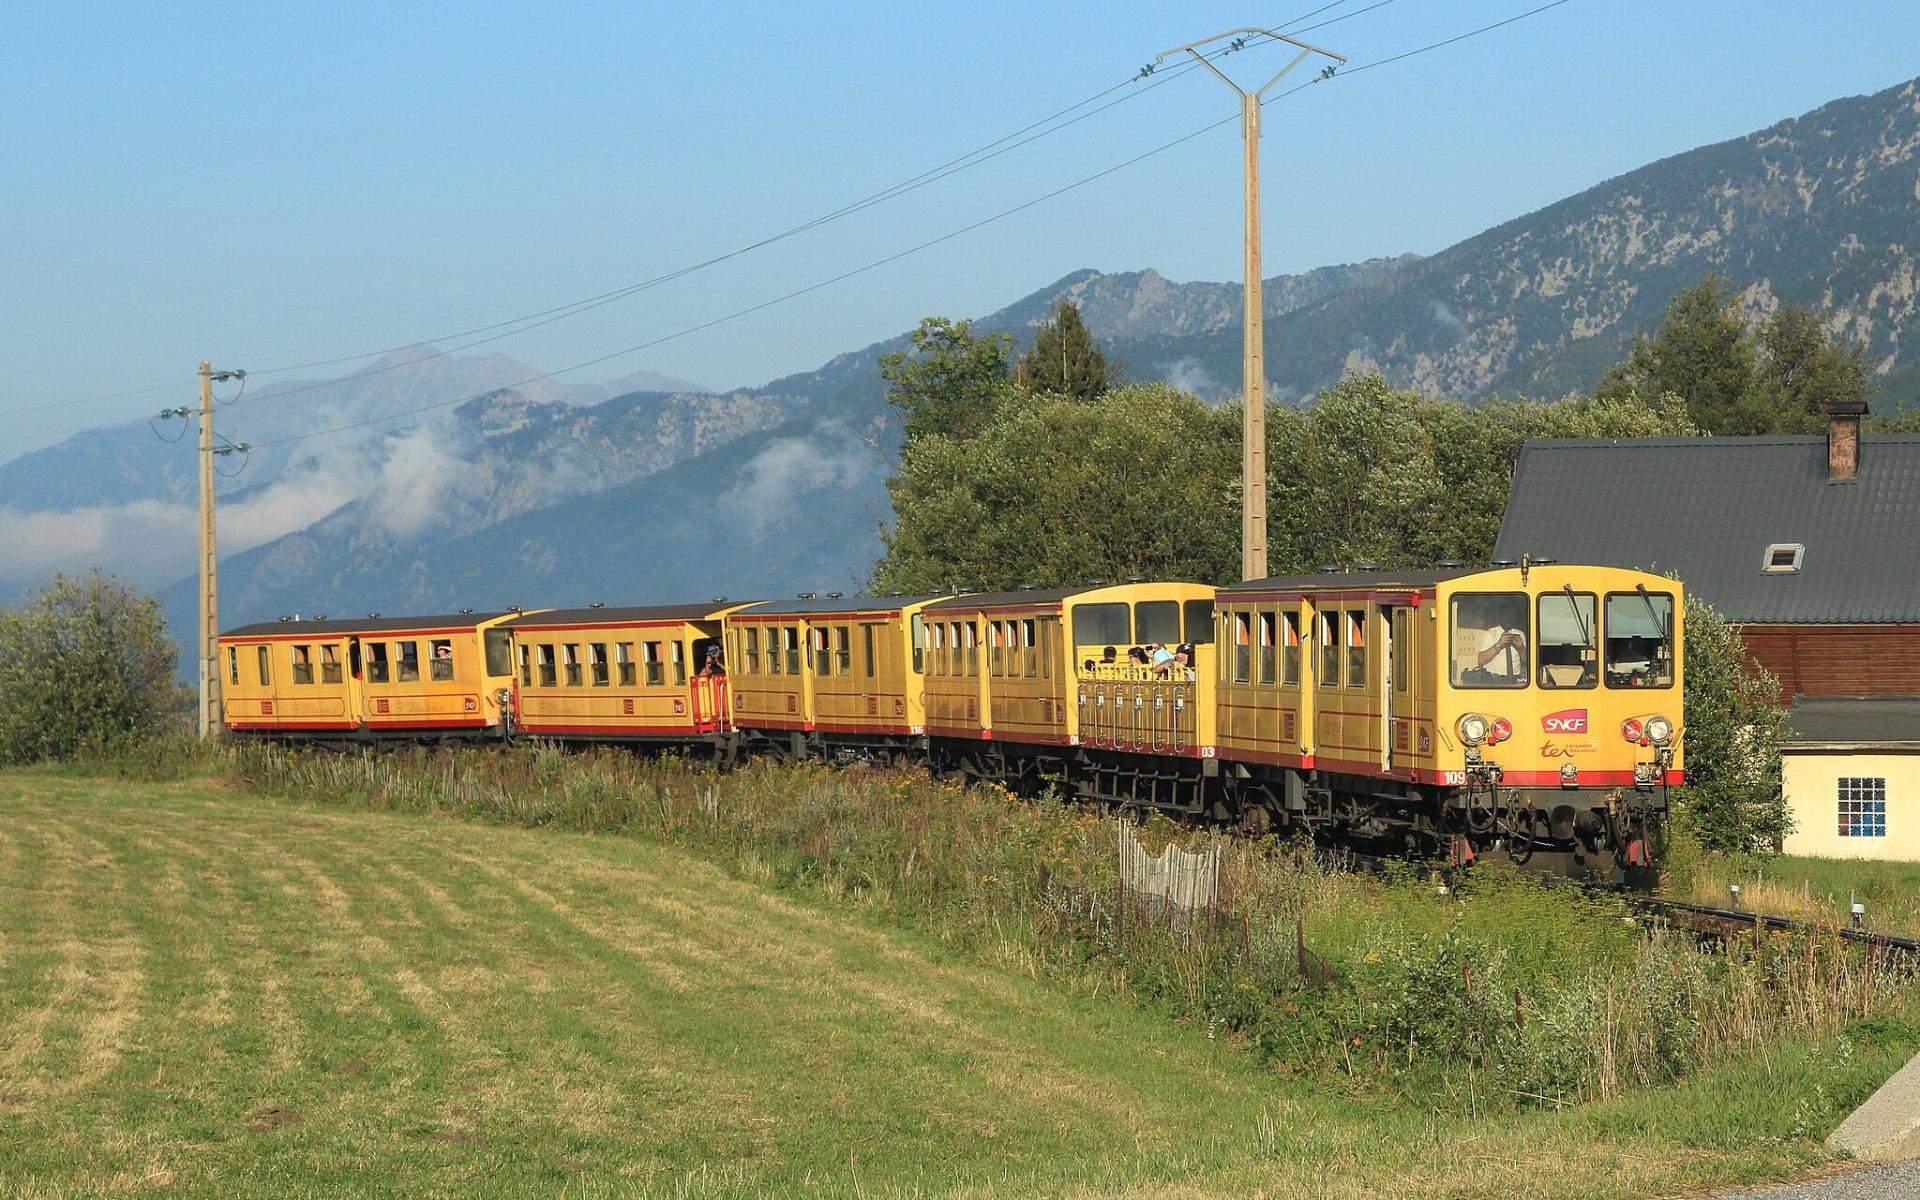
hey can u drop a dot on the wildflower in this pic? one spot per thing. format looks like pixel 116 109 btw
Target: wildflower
pixel 1375 959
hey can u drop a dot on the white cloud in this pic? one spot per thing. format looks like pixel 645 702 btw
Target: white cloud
pixel 1189 376
pixel 770 483
pixel 152 542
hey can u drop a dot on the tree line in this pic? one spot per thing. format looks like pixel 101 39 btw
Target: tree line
pixel 1049 469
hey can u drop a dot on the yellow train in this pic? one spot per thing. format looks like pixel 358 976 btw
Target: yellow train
pixel 1531 709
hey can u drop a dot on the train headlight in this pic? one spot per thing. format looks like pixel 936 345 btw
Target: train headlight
pixel 505 697
pixel 1473 729
pixel 1659 730
pixel 1631 729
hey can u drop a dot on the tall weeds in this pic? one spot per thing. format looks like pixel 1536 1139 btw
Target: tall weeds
pixel 1525 990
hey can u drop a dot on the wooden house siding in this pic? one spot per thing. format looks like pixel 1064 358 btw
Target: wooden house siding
pixel 1838 660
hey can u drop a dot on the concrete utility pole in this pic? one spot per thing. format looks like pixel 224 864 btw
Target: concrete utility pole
pixel 1253 435
pixel 210 722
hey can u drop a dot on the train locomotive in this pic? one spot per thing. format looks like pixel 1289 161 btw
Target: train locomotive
pixel 1529 711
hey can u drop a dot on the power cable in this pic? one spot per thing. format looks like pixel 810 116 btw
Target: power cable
pixel 900 254
pixel 972 158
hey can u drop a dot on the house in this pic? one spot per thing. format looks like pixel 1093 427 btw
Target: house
pixel 1811 544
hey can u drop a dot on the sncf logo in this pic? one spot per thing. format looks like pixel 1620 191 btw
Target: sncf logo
pixel 1567 720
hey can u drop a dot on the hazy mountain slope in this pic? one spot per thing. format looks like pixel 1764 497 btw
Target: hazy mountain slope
pixel 1819 210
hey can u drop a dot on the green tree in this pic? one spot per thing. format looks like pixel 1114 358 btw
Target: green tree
pixel 951 382
pixel 85 665
pixel 1065 360
pixel 1805 368
pixel 1701 353
pixel 1731 733
pixel 1053 492
pixel 1736 382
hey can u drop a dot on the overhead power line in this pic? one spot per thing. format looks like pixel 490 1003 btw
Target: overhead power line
pixel 1004 144
pixel 1001 215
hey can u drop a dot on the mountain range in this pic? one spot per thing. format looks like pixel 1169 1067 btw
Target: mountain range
pixel 650 489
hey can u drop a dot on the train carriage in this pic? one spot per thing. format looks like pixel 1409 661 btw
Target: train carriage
pixel 369 678
pixel 1534 708
pixel 832 670
pixel 1036 683
pixel 622 674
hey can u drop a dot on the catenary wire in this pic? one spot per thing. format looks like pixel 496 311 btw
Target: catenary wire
pixel 972 158
pixel 897 255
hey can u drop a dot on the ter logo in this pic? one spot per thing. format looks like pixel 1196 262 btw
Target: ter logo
pixel 1567 720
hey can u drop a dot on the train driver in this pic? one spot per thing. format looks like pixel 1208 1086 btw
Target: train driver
pixel 1503 654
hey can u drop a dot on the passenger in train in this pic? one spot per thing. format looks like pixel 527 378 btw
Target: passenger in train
pixel 1159 658
pixel 715 665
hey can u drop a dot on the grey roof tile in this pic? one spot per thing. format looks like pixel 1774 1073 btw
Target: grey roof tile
pixel 1706 509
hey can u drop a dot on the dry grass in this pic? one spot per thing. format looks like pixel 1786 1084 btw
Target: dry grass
pixel 204 992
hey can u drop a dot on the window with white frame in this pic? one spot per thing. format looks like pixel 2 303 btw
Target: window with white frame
pixel 1783 558
pixel 1863 806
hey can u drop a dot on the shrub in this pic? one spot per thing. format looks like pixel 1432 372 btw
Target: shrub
pixel 1732 799
pixel 86 667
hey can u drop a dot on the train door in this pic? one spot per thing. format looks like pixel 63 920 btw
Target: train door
pixel 1390 632
pixel 1396 690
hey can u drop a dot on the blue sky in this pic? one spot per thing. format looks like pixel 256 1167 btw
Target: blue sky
pixel 272 186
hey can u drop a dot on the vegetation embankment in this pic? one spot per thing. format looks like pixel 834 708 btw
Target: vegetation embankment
pixel 1501 992
pixel 211 992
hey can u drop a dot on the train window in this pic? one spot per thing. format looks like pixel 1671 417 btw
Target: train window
pixel 752 640
pixel 1028 650
pixel 597 664
pixel 570 659
pixel 997 649
pixel 526 666
pixel 407 659
pixel 791 636
pixel 774 656
pixel 233 666
pixel 970 634
pixel 842 650
pixel 867 640
pixel 376 662
pixel 302 663
pixel 1199 622
pixel 1357 648
pixel 549 676
pixel 266 668
pixel 329 664
pixel 440 661
pixel 1049 638
pixel 1265 665
pixel 1401 662
pixel 1492 637
pixel 1290 649
pixel 817 651
pixel 1101 625
pixel 919 644
pixel 1639 639
pixel 650 658
pixel 623 663
pixel 499 648
pixel 1326 651
pixel 937 643
pixel 1569 646
pixel 1242 647
pixel 1157 621
pixel 679 655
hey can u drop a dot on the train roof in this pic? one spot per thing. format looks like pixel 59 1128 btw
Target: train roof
pixel 374 624
pixel 1425 578
pixel 801 605
pixel 1022 596
pixel 629 615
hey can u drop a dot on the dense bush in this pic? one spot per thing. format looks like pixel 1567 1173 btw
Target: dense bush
pixel 86 667
pixel 1732 729
pixel 1504 989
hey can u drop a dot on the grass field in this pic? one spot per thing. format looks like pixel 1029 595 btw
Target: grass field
pixel 204 992
pixel 1813 889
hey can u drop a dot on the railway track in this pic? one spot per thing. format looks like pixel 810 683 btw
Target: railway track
pixel 1703 918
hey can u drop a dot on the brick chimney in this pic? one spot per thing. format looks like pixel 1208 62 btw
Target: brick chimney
pixel 1843 438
